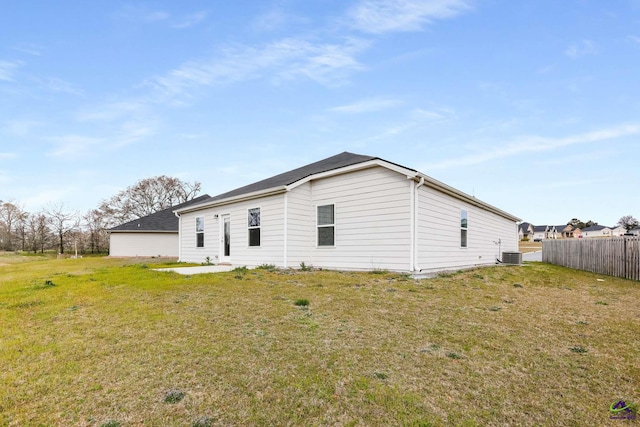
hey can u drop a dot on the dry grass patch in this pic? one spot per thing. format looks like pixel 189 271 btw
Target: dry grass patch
pixel 109 342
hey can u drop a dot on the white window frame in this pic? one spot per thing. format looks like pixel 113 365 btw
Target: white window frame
pixel 258 227
pixel 200 232
pixel 464 228
pixel 319 226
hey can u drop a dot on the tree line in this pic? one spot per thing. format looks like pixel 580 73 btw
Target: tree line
pixel 56 227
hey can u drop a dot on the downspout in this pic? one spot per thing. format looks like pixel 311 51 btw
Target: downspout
pixel 416 210
pixel 179 234
pixel 412 223
pixel 286 228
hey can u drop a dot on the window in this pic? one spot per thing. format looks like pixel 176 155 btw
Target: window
pixel 463 228
pixel 254 227
pixel 200 232
pixel 326 225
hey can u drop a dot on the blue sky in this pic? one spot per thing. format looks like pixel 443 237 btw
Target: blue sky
pixel 532 106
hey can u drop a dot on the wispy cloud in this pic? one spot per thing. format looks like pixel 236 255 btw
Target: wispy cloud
pixel 367 106
pixel 277 19
pixel 21 127
pixel 73 146
pixel 634 39
pixel 381 16
pixel 131 132
pixel 111 111
pixel 57 85
pixel 415 119
pixel 155 16
pixel 270 21
pixel 189 20
pixel 142 14
pixel 8 68
pixel 29 48
pixel 582 183
pixel 7 156
pixel 537 144
pixel 584 48
pixel 282 60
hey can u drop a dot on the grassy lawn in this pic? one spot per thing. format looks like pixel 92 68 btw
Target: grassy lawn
pixel 103 342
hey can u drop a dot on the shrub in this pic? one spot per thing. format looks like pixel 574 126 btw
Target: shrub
pixel 305 267
pixel 241 270
pixel 203 422
pixel 268 267
pixel 380 375
pixel 174 396
pixel 301 302
pixel 578 349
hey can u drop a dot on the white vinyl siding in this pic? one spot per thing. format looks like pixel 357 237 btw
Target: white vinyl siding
pixel 439 226
pixel 143 244
pixel 301 229
pixel 372 217
pixel 189 251
pixel 271 247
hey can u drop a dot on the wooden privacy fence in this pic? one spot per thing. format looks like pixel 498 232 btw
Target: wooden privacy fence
pixel 616 256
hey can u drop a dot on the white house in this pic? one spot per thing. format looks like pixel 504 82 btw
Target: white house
pixel 152 235
pixel 596 231
pixel 349 212
pixel 618 231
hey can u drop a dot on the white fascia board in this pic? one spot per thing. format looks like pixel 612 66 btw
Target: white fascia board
pixel 234 199
pixel 142 231
pixel 441 186
pixel 352 168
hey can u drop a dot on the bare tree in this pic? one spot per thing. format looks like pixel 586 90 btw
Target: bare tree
pixel 10 215
pixel 37 232
pixel 628 222
pixel 146 197
pixel 96 225
pixel 61 222
pixel 21 229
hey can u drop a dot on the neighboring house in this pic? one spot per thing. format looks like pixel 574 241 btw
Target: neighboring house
pixel 152 235
pixel 347 212
pixel 563 231
pixel 525 231
pixel 618 231
pixel 596 231
pixel 540 232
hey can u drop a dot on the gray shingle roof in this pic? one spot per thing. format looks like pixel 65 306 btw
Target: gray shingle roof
pixel 524 227
pixel 338 161
pixel 164 220
pixel 594 228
